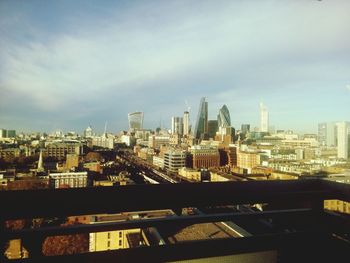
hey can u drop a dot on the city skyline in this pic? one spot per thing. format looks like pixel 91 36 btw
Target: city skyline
pixel 67 65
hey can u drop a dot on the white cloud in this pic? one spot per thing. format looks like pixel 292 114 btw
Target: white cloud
pixel 91 61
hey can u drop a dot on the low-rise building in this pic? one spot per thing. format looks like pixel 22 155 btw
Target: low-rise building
pixel 68 180
pixel 158 161
pixel 248 160
pixel 205 156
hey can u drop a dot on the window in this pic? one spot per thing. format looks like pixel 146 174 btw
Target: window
pixel 120 234
pixel 120 243
pixel 109 235
pixel 108 243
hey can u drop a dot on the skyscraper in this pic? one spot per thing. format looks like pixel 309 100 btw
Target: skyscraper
pixel 327 133
pixel 245 128
pixel 186 122
pixel 264 118
pixel 201 127
pixel 212 128
pixel 224 119
pixel 343 139
pixel 177 125
pixel 135 120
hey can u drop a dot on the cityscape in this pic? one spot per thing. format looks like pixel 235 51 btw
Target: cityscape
pixel 170 145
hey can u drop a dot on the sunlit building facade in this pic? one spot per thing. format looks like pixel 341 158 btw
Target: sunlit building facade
pixel 177 125
pixel 186 123
pixel 343 139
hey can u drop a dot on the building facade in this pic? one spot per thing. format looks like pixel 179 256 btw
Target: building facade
pixel 177 125
pixel 186 123
pixel 264 118
pixel 224 119
pixel 201 128
pixel 343 139
pixel 59 150
pixel 205 157
pixel 327 133
pixel 68 180
pixel 135 120
pixel 174 160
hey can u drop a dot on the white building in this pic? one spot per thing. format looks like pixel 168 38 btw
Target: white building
pixel 174 160
pixel 343 139
pixel 177 125
pixel 103 141
pixel 186 123
pixel 71 180
pixel 158 161
pixel 264 118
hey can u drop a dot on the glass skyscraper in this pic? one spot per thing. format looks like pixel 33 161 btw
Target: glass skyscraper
pixel 201 127
pixel 135 120
pixel 224 119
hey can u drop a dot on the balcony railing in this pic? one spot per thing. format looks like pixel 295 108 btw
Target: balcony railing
pixel 296 205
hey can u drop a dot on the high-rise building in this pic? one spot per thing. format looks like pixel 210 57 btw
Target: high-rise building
pixel 245 128
pixel 135 120
pixel 186 123
pixel 201 128
pixel 177 125
pixel 3 133
pixel 327 134
pixel 264 118
pixel 343 139
pixel 212 128
pixel 11 133
pixel 224 119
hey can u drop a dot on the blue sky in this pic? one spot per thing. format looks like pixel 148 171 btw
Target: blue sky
pixel 67 64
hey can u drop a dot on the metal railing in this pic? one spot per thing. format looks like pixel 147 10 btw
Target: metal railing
pixel 320 234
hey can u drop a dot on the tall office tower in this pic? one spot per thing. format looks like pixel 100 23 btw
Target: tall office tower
pixel 264 118
pixel 224 119
pixel 327 132
pixel 3 133
pixel 245 128
pixel 177 125
pixel 212 128
pixel 186 122
pixel 201 128
pixel 343 139
pixel 135 120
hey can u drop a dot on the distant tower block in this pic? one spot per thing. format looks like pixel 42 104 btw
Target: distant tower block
pixel 264 118
pixel 186 123
pixel 135 120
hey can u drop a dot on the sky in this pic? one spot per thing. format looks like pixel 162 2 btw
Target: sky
pixel 68 64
